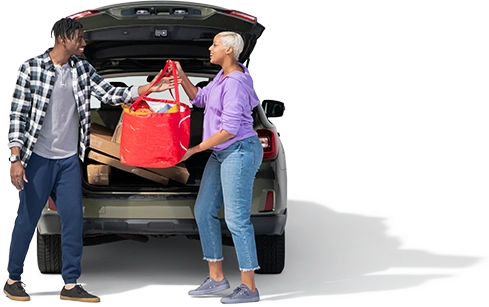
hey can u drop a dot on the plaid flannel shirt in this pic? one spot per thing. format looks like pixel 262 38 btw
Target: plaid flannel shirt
pixel 33 89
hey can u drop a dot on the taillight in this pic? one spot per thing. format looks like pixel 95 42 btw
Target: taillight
pixel 270 201
pixel 83 14
pixel 268 140
pixel 242 15
pixel 51 204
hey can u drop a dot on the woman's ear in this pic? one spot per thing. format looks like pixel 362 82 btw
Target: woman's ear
pixel 229 50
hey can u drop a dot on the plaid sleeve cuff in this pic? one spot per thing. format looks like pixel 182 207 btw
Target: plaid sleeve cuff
pixel 134 91
pixel 15 144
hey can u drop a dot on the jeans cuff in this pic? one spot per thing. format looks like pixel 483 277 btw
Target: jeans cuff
pixel 14 277
pixel 213 259
pixel 253 269
pixel 70 281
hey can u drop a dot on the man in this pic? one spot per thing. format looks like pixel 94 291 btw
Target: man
pixel 48 135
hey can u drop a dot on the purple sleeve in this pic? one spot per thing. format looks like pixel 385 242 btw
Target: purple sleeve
pixel 200 99
pixel 235 100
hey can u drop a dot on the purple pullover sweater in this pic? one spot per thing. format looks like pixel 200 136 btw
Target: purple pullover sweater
pixel 228 104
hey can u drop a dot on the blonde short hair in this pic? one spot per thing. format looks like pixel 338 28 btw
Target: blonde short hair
pixel 233 40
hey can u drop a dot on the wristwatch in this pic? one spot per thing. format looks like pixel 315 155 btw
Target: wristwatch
pixel 13 158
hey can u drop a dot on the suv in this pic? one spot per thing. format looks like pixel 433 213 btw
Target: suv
pixel 129 43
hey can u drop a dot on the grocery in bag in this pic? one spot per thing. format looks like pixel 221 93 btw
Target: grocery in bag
pixel 155 132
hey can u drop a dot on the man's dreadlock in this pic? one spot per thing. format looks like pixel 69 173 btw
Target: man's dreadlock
pixel 65 28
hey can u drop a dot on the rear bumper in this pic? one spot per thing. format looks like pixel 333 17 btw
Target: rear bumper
pixel 270 224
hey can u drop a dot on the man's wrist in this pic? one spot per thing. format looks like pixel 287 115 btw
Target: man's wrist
pixel 143 88
pixel 14 158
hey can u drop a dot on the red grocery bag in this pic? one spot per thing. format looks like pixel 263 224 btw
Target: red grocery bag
pixel 155 139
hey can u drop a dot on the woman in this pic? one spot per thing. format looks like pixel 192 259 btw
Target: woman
pixel 230 171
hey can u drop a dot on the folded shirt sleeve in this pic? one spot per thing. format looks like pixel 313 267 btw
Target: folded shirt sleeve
pixel 134 91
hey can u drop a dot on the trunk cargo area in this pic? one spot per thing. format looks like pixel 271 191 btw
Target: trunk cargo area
pixel 103 171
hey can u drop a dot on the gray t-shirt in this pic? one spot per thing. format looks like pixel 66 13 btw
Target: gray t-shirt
pixel 58 137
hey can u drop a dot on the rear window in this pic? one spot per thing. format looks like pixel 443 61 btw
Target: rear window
pixel 141 80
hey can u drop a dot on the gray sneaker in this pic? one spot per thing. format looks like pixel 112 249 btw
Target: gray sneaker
pixel 241 294
pixel 210 286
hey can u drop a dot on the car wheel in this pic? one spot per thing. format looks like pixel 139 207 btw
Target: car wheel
pixel 49 258
pixel 271 253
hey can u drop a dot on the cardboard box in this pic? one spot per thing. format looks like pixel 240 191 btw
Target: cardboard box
pixel 102 158
pixel 98 174
pixel 101 140
pixel 178 172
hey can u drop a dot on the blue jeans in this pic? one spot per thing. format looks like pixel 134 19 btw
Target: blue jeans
pixel 60 179
pixel 228 179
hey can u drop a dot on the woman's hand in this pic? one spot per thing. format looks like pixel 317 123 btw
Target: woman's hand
pixel 189 153
pixel 187 85
pixel 180 71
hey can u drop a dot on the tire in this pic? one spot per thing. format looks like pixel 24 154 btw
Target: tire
pixel 271 254
pixel 49 258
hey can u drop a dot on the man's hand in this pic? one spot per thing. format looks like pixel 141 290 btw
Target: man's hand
pixel 17 175
pixel 164 84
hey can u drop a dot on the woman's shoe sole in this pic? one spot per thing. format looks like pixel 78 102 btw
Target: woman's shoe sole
pixel 211 291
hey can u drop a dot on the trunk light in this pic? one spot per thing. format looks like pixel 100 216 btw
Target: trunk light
pixel 268 141
pixel 242 15
pixel 83 14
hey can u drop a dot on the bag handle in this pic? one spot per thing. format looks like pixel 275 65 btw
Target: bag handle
pixel 180 127
pixel 165 73
pixel 175 78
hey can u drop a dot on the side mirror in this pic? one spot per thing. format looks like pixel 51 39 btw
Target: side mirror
pixel 273 108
